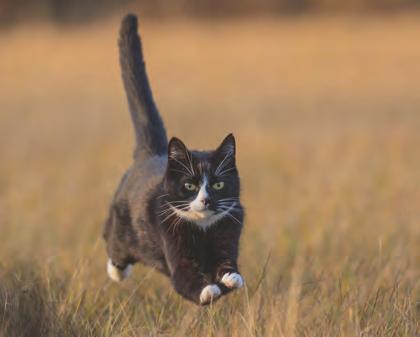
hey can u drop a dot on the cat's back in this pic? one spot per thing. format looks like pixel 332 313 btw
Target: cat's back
pixel 138 182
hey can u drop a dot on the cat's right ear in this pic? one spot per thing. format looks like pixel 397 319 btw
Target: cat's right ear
pixel 177 150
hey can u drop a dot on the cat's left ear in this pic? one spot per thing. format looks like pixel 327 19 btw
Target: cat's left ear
pixel 226 153
pixel 177 150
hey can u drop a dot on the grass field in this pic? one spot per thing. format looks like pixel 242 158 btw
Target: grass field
pixel 326 112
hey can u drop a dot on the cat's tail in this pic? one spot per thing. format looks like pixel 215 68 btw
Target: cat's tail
pixel 149 129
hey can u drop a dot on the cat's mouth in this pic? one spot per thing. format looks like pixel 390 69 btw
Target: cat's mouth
pixel 202 214
pixel 194 214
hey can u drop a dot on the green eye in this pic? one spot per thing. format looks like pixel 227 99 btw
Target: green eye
pixel 190 187
pixel 219 185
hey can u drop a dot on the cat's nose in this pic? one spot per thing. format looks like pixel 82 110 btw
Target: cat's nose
pixel 206 202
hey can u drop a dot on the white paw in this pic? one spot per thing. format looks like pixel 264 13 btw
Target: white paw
pixel 209 293
pixel 232 280
pixel 116 274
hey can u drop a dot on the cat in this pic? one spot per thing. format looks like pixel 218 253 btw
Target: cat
pixel 175 209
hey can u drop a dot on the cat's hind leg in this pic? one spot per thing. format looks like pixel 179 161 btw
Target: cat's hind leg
pixel 120 238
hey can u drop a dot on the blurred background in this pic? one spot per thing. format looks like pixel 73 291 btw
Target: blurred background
pixel 76 11
pixel 323 98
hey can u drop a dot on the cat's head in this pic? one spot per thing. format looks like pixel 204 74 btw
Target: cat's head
pixel 201 186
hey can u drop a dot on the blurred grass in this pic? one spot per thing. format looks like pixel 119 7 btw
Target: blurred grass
pixel 326 114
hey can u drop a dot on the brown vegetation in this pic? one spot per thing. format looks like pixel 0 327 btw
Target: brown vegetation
pixel 326 114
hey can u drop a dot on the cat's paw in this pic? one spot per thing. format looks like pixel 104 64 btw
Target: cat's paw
pixel 209 293
pixel 117 274
pixel 232 280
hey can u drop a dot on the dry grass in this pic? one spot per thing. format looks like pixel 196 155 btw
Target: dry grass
pixel 326 113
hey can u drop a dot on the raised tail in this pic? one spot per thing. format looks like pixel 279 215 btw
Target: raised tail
pixel 150 132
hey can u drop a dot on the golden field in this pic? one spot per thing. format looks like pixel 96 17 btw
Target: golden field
pixel 326 112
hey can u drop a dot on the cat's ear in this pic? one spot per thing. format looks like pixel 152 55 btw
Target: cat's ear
pixel 177 150
pixel 225 155
pixel 228 146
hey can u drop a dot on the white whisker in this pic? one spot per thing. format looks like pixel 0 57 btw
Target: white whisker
pixel 190 161
pixel 178 202
pixel 175 224
pixel 180 171
pixel 183 165
pixel 180 207
pixel 221 165
pixel 173 203
pixel 168 217
pixel 164 211
pixel 233 201
pixel 172 211
pixel 234 210
pixel 230 215
pixel 228 199
pixel 229 203
pixel 230 207
pixel 223 173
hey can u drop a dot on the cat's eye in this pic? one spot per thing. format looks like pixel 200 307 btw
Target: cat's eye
pixel 190 187
pixel 219 185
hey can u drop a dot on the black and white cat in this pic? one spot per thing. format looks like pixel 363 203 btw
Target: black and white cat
pixel 175 209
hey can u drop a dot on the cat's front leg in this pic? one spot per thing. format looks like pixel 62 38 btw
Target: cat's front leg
pixel 228 276
pixel 186 274
pixel 210 293
pixel 193 285
pixel 225 254
pixel 232 280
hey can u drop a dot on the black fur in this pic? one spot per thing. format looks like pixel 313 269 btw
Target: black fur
pixel 141 227
pixel 150 132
